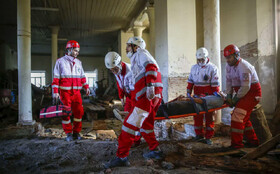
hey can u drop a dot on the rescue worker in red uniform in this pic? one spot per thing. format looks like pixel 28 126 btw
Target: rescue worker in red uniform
pixel 241 78
pixel 68 80
pixel 122 72
pixel 147 96
pixel 203 80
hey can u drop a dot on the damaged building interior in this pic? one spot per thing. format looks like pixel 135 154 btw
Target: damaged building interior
pixel 38 35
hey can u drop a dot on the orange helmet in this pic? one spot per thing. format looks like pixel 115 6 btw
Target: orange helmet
pixel 231 49
pixel 72 44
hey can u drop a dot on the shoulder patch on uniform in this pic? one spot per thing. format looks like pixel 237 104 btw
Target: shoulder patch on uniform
pixel 245 76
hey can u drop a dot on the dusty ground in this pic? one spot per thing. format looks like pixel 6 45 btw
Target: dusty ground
pixel 48 152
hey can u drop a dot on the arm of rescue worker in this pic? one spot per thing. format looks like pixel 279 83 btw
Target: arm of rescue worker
pixel 56 78
pixel 121 93
pixel 215 87
pixel 151 75
pixel 84 81
pixel 190 84
pixel 229 89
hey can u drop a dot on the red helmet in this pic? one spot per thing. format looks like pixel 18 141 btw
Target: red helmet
pixel 72 44
pixel 231 49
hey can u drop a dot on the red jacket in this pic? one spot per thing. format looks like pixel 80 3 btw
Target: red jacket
pixel 203 79
pixel 123 81
pixel 145 72
pixel 68 74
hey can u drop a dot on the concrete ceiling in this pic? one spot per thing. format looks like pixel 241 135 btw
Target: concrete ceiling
pixel 93 23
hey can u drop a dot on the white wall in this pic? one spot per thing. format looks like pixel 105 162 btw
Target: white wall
pixel 8 58
pixel 238 22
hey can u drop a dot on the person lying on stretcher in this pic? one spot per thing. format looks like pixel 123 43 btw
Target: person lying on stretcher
pixel 185 105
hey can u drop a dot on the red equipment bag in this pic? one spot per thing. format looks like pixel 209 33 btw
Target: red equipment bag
pixel 56 111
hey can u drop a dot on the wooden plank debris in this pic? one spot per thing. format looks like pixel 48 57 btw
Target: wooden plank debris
pixel 263 148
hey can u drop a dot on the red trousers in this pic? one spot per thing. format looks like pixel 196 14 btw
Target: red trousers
pixel 240 118
pixel 198 125
pixel 140 118
pixel 74 100
pixel 128 104
pixel 128 107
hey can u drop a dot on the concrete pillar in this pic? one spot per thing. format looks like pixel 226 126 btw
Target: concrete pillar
pixel 151 14
pixel 267 59
pixel 55 30
pixel 175 44
pixel 211 21
pixel 24 62
pixel 138 30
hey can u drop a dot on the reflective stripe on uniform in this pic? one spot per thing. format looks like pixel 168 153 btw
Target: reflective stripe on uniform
pixel 128 130
pixel 84 84
pixel 66 122
pixel 140 76
pixel 71 87
pixel 237 130
pixel 148 62
pixel 138 94
pixel 248 128
pixel 77 119
pixel 154 73
pixel 146 131
pixel 57 77
pixel 55 86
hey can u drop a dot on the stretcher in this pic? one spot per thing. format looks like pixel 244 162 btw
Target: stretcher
pixel 164 115
pixel 190 114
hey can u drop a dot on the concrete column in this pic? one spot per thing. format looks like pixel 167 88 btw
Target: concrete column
pixel 151 14
pixel 175 44
pixel 211 20
pixel 55 30
pixel 24 62
pixel 138 30
pixel 267 59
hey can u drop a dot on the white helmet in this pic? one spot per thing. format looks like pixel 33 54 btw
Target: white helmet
pixel 113 59
pixel 137 41
pixel 201 53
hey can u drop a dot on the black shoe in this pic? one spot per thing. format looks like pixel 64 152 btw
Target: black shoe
pixel 153 155
pixel 116 162
pixel 209 141
pixel 69 137
pixel 199 138
pixel 77 136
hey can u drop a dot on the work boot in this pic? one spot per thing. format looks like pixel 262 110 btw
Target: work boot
pixel 116 162
pixel 77 136
pixel 69 137
pixel 153 155
pixel 209 141
pixel 199 138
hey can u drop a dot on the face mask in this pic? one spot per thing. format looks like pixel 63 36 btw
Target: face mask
pixel 129 54
pixel 202 64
